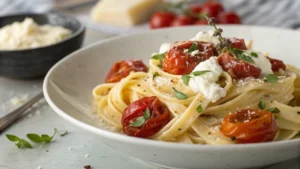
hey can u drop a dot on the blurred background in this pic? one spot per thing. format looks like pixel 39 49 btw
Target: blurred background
pixel 283 13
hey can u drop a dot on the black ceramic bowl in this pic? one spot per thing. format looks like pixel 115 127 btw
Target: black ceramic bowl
pixel 34 63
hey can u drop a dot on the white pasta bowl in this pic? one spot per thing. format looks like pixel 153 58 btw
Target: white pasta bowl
pixel 68 90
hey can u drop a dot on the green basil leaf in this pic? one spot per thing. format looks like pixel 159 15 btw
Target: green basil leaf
pixel 34 138
pixel 193 47
pixel 138 122
pixel 46 138
pixel 199 73
pixel 271 78
pixel 199 109
pixel 19 144
pixel 185 79
pixel 273 110
pixel 179 95
pixel 12 138
pixel 261 104
pixel 159 56
pixel 147 114
pixel 155 74
pixel 25 143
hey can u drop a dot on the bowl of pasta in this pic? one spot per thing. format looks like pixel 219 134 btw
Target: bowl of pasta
pixel 192 97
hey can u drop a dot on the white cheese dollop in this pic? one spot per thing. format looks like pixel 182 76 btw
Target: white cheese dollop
pixel 261 62
pixel 165 47
pixel 206 36
pixel 206 83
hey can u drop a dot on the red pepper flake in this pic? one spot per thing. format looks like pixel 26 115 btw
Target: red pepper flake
pixel 87 167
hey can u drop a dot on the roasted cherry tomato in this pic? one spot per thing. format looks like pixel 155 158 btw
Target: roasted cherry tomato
pixel 179 61
pixel 228 18
pixel 238 43
pixel 159 116
pixel 212 8
pixel 237 68
pixel 250 126
pixel 183 20
pixel 122 69
pixel 277 64
pixel 201 22
pixel 161 19
pixel 196 8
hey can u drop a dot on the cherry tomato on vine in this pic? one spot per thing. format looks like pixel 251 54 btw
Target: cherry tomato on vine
pixel 212 8
pixel 161 19
pixel 183 20
pixel 228 18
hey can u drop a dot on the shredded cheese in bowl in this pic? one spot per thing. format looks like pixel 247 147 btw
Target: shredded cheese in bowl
pixel 28 34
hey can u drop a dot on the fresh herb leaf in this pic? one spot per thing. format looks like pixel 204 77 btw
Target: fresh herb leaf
pixel 273 110
pixel 138 122
pixel 261 104
pixel 12 138
pixel 155 74
pixel 64 133
pixel 199 109
pixel 147 114
pixel 254 54
pixel 271 78
pixel 159 56
pixel 159 65
pixel 46 138
pixel 245 58
pixel 179 95
pixel 193 47
pixel 185 79
pixel 34 138
pixel 199 73
pixel 25 143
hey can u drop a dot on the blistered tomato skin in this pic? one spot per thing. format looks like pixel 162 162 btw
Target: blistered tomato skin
pixel 238 68
pixel 277 64
pixel 238 43
pixel 159 117
pixel 178 61
pixel 250 126
pixel 122 69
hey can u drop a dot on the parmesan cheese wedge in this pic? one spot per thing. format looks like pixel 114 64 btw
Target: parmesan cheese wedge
pixel 124 13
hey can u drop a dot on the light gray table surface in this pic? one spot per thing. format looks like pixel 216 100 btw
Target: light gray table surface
pixel 68 152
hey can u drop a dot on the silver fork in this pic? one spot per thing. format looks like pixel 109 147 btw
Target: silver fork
pixel 11 117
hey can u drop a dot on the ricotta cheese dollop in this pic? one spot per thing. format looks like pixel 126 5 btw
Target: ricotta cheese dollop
pixel 206 83
pixel 261 62
pixel 206 36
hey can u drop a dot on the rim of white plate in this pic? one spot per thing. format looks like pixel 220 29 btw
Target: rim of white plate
pixel 148 142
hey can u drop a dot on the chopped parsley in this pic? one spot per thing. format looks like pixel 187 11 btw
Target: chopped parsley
pixel 199 109
pixel 193 47
pixel 138 122
pixel 155 74
pixel 239 54
pixel 179 95
pixel 261 104
pixel 185 79
pixel 271 78
pixel 273 110
pixel 199 73
pixel 159 56
pixel 253 54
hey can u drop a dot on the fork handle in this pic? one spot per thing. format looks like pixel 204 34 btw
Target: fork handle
pixel 14 115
